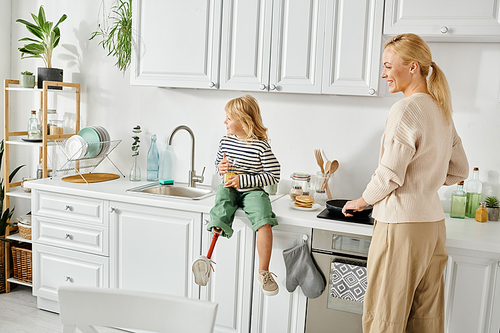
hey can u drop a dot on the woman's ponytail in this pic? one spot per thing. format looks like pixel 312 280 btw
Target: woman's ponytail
pixel 440 91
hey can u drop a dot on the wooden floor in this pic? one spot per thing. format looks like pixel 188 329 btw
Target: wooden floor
pixel 19 314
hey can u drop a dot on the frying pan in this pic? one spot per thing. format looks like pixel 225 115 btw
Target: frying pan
pixel 335 206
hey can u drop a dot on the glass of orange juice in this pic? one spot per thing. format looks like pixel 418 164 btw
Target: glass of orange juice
pixel 230 173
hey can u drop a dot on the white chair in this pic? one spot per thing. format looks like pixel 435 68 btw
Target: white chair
pixel 85 308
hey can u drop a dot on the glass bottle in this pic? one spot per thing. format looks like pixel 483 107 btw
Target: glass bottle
pixel 458 200
pixel 34 132
pixel 166 163
pixel 320 197
pixel 135 171
pixel 474 190
pixel 295 192
pixel 153 164
pixel 482 213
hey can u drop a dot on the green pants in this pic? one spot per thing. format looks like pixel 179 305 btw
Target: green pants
pixel 255 204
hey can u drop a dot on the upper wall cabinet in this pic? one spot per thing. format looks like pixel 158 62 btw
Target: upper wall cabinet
pixel 272 46
pixel 458 20
pixel 353 38
pixel 177 43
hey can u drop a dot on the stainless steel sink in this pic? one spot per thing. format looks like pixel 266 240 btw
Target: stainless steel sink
pixel 181 191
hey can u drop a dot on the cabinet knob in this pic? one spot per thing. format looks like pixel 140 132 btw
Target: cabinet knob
pixel 262 86
pixel 371 91
pixel 272 87
pixel 206 221
pixel 68 207
pixel 112 209
pixel 444 29
pixel 68 236
pixel 68 278
pixel 211 84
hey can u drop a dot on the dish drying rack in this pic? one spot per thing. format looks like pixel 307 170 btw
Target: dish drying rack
pixel 76 163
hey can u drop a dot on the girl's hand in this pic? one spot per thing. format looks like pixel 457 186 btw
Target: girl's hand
pixel 233 181
pixel 355 205
pixel 224 165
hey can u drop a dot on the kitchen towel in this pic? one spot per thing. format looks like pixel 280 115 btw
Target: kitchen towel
pixel 301 271
pixel 348 280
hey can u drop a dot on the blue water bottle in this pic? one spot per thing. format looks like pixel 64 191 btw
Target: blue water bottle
pixel 153 160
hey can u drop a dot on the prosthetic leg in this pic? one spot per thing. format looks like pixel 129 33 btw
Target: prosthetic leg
pixel 201 267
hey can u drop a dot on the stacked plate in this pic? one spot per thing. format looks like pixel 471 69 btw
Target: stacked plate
pixel 92 141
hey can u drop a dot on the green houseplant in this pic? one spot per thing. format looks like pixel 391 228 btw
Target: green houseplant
pixel 27 80
pixel 116 33
pixel 493 207
pixel 46 38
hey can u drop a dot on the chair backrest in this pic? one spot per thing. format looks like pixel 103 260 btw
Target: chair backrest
pixel 85 307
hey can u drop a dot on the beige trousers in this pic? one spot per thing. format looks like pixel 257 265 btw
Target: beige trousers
pixel 405 290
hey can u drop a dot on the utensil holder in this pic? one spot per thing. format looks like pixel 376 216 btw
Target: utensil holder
pixel 324 181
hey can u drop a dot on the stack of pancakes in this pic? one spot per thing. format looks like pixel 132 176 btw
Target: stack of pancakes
pixel 304 201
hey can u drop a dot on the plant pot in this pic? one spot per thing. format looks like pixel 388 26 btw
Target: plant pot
pixel 27 81
pixel 49 74
pixel 493 214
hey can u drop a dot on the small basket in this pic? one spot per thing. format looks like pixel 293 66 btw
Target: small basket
pixel 22 263
pixel 24 230
pixel 2 267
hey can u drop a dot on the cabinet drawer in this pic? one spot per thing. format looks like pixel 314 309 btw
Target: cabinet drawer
pixel 54 267
pixel 72 208
pixel 81 237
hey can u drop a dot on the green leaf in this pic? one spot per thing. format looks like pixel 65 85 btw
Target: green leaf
pixel 14 172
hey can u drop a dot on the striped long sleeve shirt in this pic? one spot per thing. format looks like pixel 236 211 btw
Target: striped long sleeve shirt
pixel 253 161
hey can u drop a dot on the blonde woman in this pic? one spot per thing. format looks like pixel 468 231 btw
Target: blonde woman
pixel 420 152
pixel 246 153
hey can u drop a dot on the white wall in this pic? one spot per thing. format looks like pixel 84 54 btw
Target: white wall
pixel 346 128
pixel 5 32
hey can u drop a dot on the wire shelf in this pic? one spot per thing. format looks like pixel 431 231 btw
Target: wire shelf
pixel 89 155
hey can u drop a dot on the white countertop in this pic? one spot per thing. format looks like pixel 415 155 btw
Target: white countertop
pixel 461 233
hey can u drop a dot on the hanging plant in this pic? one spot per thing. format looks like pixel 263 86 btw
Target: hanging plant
pixel 116 33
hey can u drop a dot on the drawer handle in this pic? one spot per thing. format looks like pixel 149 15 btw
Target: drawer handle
pixel 68 236
pixel 68 278
pixel 68 207
pixel 112 209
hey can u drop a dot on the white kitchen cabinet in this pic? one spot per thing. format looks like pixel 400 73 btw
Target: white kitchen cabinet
pixel 152 249
pixel 272 46
pixel 353 40
pixel 230 285
pixel 286 311
pixel 460 20
pixel 177 43
pixel 495 311
pixel 471 285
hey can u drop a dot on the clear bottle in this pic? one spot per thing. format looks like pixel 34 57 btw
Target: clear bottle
pixel 482 213
pixel 320 197
pixel 458 201
pixel 474 194
pixel 295 192
pixel 166 163
pixel 34 132
pixel 39 170
pixel 153 164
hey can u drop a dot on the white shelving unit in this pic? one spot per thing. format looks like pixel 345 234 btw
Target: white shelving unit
pixel 14 138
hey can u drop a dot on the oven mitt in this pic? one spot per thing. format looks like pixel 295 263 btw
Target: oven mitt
pixel 301 271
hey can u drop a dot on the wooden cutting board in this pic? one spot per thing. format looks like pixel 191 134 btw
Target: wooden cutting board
pixel 91 177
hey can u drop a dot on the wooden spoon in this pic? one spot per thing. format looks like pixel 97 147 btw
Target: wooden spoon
pixel 334 166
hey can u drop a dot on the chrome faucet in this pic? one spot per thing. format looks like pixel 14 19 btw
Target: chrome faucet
pixel 193 178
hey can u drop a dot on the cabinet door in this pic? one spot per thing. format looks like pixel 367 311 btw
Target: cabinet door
pixel 230 284
pixel 152 249
pixel 353 40
pixel 245 47
pixel 442 20
pixel 495 311
pixel 286 311
pixel 176 43
pixel 54 267
pixel 470 283
pixel 297 46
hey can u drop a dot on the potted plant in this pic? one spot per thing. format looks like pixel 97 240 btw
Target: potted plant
pixel 116 33
pixel 493 207
pixel 47 37
pixel 27 80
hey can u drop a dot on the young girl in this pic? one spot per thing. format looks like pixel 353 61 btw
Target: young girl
pixel 246 157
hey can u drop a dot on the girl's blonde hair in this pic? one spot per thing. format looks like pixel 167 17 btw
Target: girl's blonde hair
pixel 247 111
pixel 411 47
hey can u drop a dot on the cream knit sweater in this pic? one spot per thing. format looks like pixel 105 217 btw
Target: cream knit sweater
pixel 419 153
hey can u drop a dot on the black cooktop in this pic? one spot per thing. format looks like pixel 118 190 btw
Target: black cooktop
pixel 326 214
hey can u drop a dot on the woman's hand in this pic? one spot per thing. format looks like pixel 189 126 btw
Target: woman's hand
pixel 233 181
pixel 224 165
pixel 354 205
